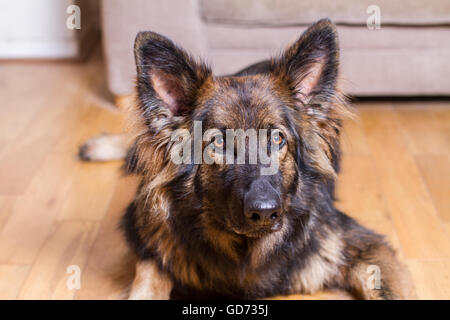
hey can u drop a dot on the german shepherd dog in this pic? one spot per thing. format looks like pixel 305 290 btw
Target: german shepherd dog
pixel 225 229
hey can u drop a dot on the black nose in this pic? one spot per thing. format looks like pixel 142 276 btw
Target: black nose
pixel 262 205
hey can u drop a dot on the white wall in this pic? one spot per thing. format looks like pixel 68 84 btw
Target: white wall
pixel 36 29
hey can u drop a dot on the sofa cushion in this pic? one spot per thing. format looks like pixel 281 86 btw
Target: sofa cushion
pixel 367 72
pixel 304 12
pixel 350 37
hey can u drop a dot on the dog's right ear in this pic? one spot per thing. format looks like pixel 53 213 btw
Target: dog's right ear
pixel 167 77
pixel 311 63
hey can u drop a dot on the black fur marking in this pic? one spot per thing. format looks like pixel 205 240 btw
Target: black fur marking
pixel 129 227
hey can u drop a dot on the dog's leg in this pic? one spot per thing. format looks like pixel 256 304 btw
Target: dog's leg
pixel 104 147
pixel 376 274
pixel 150 283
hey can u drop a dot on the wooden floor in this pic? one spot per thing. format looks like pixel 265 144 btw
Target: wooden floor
pixel 57 212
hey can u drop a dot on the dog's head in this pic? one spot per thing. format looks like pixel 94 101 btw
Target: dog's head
pixel 288 107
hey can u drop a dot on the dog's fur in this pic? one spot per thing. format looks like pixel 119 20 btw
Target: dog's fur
pixel 182 224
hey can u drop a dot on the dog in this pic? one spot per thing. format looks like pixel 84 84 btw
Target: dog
pixel 224 229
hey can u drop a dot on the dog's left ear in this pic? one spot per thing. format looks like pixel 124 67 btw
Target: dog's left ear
pixel 311 63
pixel 310 69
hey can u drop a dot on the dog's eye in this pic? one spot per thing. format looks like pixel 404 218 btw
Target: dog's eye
pixel 277 139
pixel 218 142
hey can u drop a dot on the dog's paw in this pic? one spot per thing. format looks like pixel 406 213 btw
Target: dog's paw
pixel 104 147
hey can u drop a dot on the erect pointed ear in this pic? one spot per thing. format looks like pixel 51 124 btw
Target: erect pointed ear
pixel 310 69
pixel 311 63
pixel 168 78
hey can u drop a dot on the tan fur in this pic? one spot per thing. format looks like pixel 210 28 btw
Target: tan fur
pixel 150 283
pixel 394 276
pixel 321 267
pixel 263 247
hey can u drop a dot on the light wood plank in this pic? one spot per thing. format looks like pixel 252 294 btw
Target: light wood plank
pixel 425 132
pixel 34 213
pixel 442 115
pixel 432 278
pixel 37 114
pixel 12 278
pixel 435 170
pixel 90 121
pixel 105 275
pixel 68 246
pixel 360 195
pixel 418 226
pixel 92 190
pixel 24 100
pixel 27 153
pixel 6 209
pixel 353 138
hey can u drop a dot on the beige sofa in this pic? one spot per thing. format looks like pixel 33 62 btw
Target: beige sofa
pixel 408 55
